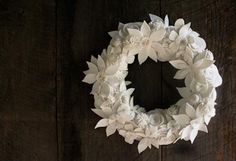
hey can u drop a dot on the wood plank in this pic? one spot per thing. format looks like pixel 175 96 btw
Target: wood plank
pixel 82 32
pixel 215 20
pixel 27 81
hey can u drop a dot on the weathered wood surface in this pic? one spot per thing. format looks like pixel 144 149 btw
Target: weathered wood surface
pixel 27 81
pixel 45 108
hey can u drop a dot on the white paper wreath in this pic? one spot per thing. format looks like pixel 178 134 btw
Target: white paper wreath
pixel 185 51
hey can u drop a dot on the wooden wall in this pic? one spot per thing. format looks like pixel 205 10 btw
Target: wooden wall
pixel 45 108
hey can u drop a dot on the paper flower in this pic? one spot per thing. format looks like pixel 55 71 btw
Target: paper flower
pixel 184 50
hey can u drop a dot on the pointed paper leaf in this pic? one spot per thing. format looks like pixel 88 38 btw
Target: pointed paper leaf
pixel 99 112
pixel 100 63
pixel 102 123
pixel 142 57
pixel 112 69
pixel 134 32
pixel 113 33
pixel 181 74
pixel 143 144
pixel 190 111
pixel 184 30
pixel 186 132
pixel 166 21
pixel 111 129
pixel 181 119
pixel 152 54
pixel 145 29
pixel 179 64
pixel 90 78
pixel 173 35
pixel 193 135
pixel 184 92
pixel 158 35
pixel 155 18
pixel 179 23
pixel 92 68
pixel 203 128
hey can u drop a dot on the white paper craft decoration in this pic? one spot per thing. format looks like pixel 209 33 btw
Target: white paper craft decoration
pixel 184 50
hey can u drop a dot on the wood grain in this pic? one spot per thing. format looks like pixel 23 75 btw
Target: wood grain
pixel 27 81
pixel 88 36
pixel 45 108
pixel 215 21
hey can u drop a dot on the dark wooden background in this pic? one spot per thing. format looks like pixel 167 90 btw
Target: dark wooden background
pixel 45 108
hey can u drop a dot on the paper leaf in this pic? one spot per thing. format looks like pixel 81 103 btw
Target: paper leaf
pixel 173 35
pixel 100 63
pixel 186 132
pixel 142 57
pixel 92 68
pixel 113 33
pixel 179 23
pixel 190 111
pixel 130 59
pixel 203 128
pixel 161 53
pixel 129 139
pixel 193 135
pixel 184 92
pixel 166 21
pixel 102 123
pixel 112 69
pixel 155 18
pixel 184 30
pixel 179 64
pixel 143 144
pixel 99 112
pixel 181 119
pixel 134 32
pixel 152 54
pixel 181 74
pixel 93 60
pixel 111 129
pixel 145 29
pixel 90 78
pixel 158 35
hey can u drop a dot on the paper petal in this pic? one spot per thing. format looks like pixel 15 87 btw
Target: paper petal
pixel 113 33
pixel 99 112
pixel 102 123
pixel 161 53
pixel 186 132
pixel 173 35
pixel 158 35
pixel 166 21
pixel 142 57
pixel 179 23
pixel 203 128
pixel 179 64
pixel 143 144
pixel 155 18
pixel 184 92
pixel 181 74
pixel 145 29
pixel 100 63
pixel 112 69
pixel 190 111
pixel 92 68
pixel 181 119
pixel 90 78
pixel 193 135
pixel 111 129
pixel 184 30
pixel 134 32
pixel 152 54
